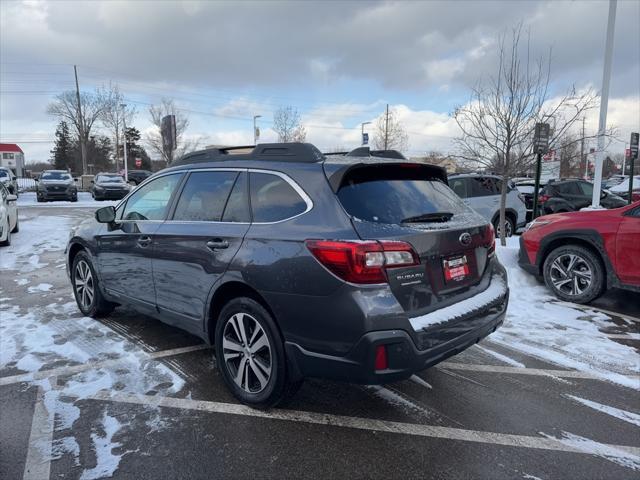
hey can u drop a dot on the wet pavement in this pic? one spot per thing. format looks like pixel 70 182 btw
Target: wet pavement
pixel 130 397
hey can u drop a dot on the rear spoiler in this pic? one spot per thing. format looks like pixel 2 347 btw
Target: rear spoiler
pixel 336 171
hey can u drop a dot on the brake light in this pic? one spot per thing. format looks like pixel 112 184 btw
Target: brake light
pixel 381 362
pixel 489 239
pixel 362 262
pixel 543 198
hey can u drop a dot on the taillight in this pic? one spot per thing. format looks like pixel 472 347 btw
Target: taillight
pixel 489 239
pixel 362 262
pixel 543 198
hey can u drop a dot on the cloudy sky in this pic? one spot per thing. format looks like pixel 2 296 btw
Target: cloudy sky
pixel 338 63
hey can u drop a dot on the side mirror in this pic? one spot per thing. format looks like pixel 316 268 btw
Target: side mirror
pixel 11 198
pixel 106 215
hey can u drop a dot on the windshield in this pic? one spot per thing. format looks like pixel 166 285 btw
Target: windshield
pixel 56 176
pixel 109 179
pixel 398 198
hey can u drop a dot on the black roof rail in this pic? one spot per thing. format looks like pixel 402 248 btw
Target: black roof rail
pixel 367 152
pixel 275 152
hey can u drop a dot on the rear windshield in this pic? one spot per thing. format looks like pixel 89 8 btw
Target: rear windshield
pixel 385 196
pixel 110 179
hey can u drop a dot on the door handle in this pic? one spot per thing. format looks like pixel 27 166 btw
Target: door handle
pixel 144 241
pixel 217 244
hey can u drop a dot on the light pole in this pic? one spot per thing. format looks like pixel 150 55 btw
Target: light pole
pixel 362 128
pixel 256 135
pixel 124 131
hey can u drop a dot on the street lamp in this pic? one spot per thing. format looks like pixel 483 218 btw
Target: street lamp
pixel 362 127
pixel 124 131
pixel 256 135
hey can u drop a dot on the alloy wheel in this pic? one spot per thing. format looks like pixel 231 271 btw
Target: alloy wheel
pixel 247 353
pixel 571 274
pixel 83 282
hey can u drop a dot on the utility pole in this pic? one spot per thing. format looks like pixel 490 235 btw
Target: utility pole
pixel 124 131
pixel 83 147
pixel 604 103
pixel 386 129
pixel 256 134
pixel 582 159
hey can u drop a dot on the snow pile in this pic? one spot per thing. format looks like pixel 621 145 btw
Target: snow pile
pixel 537 325
pixel 47 234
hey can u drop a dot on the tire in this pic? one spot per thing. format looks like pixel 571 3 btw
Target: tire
pixel 39 199
pixel 7 241
pixel 16 229
pixel 574 274
pixel 74 198
pixel 92 306
pixel 263 382
pixel 510 226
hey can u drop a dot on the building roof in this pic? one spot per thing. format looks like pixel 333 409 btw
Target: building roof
pixel 10 147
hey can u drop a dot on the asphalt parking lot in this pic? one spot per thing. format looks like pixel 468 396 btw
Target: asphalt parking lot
pixel 129 397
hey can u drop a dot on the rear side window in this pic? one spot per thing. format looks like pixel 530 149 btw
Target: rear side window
pixel 273 198
pixel 459 186
pixel 204 196
pixel 385 195
pixel 569 188
pixel 237 209
pixel 483 186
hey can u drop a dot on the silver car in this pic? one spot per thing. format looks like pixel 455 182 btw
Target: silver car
pixel 8 216
pixel 482 193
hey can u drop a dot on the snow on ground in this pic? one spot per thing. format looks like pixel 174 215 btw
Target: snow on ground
pixel 28 199
pixel 36 236
pixel 569 337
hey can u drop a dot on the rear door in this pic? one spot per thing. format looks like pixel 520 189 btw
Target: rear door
pixel 628 248
pixel 125 250
pixel 194 246
pixel 452 241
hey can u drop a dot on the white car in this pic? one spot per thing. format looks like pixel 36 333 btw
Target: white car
pixel 8 216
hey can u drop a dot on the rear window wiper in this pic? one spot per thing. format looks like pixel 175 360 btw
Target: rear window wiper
pixel 429 217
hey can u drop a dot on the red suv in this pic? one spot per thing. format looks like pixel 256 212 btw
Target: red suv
pixel 580 254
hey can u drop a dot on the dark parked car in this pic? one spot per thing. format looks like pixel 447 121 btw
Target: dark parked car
pixel 572 195
pixel 298 265
pixel 109 186
pixel 56 185
pixel 136 177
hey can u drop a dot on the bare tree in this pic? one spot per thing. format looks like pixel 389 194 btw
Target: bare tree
pixel 115 117
pixel 288 126
pixel 498 122
pixel 154 138
pixel 65 107
pixel 389 132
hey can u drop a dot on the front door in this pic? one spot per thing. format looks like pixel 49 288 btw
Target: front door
pixel 628 248
pixel 125 248
pixel 195 245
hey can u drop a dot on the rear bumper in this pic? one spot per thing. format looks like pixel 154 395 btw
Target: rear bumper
pixel 404 357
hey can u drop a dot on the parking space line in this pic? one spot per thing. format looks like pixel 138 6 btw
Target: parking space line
pixel 527 371
pixel 447 433
pixel 70 370
pixel 38 462
pixel 598 309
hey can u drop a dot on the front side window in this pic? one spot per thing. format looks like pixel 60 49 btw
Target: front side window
pixel 204 196
pixel 273 198
pixel 4 174
pixel 237 209
pixel 151 201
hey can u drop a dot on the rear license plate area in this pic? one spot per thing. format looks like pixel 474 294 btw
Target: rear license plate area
pixel 456 269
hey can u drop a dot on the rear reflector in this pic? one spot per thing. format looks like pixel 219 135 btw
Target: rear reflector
pixel 362 262
pixel 381 358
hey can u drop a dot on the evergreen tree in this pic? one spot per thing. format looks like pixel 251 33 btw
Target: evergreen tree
pixel 99 151
pixel 135 150
pixel 62 154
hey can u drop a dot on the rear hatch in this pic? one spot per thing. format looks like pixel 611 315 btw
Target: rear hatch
pixel 412 203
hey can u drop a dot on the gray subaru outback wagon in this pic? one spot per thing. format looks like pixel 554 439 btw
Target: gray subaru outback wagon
pixel 362 267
